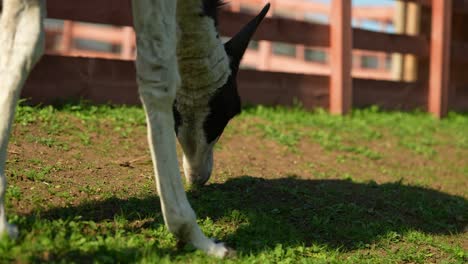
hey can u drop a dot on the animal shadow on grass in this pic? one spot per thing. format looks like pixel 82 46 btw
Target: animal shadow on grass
pixel 292 211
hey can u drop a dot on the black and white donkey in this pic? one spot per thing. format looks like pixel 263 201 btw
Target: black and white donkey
pixel 186 80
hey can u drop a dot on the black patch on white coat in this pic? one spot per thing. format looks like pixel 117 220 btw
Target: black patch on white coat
pixel 210 9
pixel 177 118
pixel 223 105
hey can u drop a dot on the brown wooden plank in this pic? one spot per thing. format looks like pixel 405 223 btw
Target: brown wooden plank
pixel 420 2
pixel 87 54
pixel 67 36
pixel 277 29
pixel 459 52
pixel 118 12
pixel 111 35
pixel 460 100
pixel 115 12
pixel 379 41
pixel 460 6
pixel 275 88
pixel 101 81
pixel 389 95
pixel 439 77
pixel 128 43
pixel 340 57
pixel 310 34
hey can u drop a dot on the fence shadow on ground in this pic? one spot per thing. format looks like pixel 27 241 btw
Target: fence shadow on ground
pixel 293 211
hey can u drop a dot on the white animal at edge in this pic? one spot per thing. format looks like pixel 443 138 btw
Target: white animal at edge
pixel 191 88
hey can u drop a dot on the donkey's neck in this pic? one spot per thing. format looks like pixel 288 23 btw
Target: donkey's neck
pixel 203 62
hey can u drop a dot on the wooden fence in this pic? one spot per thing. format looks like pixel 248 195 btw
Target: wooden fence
pixel 71 38
pixel 439 48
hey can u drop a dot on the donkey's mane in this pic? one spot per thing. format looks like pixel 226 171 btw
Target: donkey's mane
pixel 210 8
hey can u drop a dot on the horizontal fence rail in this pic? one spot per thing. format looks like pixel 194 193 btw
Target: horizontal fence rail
pixel 106 80
pixel 272 29
pixel 459 6
pixel 114 12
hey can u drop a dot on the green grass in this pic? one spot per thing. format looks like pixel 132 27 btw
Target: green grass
pixel 372 187
pixel 416 131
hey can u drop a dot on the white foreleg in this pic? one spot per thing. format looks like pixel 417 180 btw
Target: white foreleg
pixel 21 46
pixel 158 79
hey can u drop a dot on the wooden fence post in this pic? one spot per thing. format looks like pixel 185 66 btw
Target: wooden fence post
pixel 67 37
pixel 399 22
pixel 128 39
pixel 340 57
pixel 439 75
pixel 265 48
pixel 412 28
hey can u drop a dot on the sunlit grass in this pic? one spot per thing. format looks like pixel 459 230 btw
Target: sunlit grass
pixel 380 198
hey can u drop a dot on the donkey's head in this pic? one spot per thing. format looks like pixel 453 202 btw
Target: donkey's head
pixel 199 132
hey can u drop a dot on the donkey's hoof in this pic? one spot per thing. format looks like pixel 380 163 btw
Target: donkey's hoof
pixel 197 182
pixel 220 250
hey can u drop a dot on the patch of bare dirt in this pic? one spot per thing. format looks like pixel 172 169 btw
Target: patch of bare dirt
pixel 112 165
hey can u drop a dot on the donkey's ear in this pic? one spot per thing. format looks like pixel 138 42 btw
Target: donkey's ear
pixel 236 46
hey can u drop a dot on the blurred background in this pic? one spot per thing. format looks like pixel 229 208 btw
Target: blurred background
pixel 397 55
pixel 85 39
